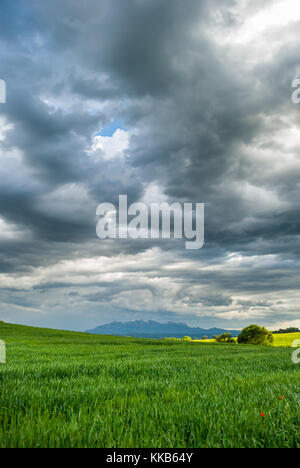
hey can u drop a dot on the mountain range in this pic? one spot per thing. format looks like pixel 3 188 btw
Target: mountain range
pixel 151 329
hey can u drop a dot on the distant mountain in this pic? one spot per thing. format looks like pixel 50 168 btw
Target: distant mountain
pixel 151 329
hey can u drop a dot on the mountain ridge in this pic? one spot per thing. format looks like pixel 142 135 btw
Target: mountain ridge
pixel 153 329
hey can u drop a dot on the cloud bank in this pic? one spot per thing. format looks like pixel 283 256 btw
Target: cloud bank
pixel 163 101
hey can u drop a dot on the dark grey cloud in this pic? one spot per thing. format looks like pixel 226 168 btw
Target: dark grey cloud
pixel 203 93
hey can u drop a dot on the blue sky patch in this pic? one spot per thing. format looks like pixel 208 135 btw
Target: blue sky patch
pixel 112 128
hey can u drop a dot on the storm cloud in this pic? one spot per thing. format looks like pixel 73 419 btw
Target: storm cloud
pixel 162 100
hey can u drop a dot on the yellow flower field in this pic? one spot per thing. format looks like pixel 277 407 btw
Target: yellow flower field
pixel 284 340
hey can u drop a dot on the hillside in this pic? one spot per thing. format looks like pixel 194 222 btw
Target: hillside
pixel 64 389
pixel 10 332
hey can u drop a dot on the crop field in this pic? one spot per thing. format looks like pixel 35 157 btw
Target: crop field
pixel 62 389
pixel 286 339
pixel 282 340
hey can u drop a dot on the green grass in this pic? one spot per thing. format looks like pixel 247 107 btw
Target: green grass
pixel 61 389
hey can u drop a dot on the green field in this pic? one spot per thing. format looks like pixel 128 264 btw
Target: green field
pixel 61 389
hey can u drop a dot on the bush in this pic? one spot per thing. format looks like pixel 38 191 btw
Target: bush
pixel 256 335
pixel 187 338
pixel 225 338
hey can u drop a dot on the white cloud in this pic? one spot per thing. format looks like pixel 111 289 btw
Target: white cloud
pixel 4 127
pixel 280 14
pixel 286 324
pixel 154 194
pixel 108 148
pixel 69 202
pixel 256 34
pixel 260 199
pixel 12 232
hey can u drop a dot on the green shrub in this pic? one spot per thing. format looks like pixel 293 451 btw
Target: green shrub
pixel 256 335
pixel 225 338
pixel 187 338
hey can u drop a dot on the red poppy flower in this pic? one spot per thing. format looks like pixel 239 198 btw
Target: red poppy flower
pixel 262 415
pixel 281 397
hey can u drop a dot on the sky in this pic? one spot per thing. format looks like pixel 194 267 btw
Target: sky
pixel 161 100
